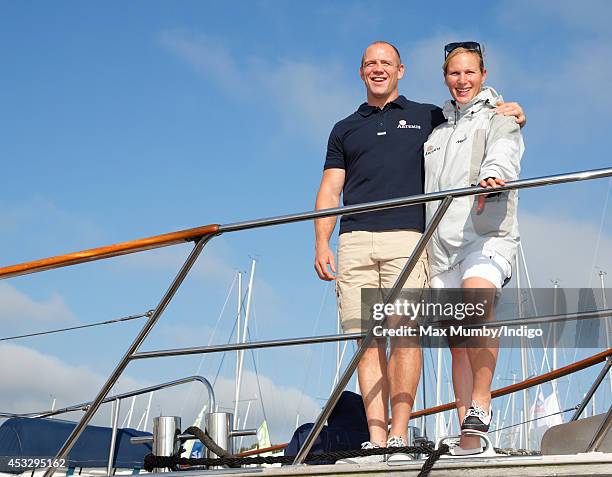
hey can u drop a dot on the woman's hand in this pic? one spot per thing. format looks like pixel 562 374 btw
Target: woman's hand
pixel 488 183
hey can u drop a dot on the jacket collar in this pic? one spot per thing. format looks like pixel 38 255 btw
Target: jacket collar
pixel 366 110
pixel 487 98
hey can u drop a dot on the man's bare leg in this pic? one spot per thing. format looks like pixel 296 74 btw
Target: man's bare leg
pixel 372 374
pixel 404 371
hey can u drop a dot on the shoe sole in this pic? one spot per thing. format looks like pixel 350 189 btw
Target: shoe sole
pixel 478 432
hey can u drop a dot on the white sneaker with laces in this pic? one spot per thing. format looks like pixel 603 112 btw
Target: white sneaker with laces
pixel 368 459
pixel 400 457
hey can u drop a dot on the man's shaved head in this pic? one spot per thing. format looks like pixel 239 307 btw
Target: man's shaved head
pixel 380 70
pixel 399 59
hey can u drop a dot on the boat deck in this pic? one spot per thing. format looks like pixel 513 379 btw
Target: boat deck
pixel 593 463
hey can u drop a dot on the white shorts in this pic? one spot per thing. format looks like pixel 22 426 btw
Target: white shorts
pixel 490 266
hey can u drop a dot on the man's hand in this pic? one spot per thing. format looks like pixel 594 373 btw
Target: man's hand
pixel 324 257
pixel 488 183
pixel 512 109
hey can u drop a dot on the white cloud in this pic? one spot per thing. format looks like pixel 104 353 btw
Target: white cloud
pixel 565 73
pixel 566 85
pixel 423 80
pixel 37 217
pixel 350 18
pixel 216 267
pixel 18 309
pixel 212 263
pixel 282 403
pixel 564 249
pixel 208 56
pixel 34 379
pixel 310 97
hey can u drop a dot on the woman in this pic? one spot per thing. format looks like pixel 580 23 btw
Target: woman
pixel 476 241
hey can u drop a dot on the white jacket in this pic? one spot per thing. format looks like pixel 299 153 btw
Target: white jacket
pixel 473 144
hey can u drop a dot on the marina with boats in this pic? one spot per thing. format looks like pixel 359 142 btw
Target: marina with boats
pixel 581 446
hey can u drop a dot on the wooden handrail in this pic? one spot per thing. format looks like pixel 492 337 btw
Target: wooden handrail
pixel 261 451
pixel 528 383
pixel 557 373
pixel 115 250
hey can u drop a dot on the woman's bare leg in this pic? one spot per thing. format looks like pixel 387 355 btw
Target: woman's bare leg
pixel 482 352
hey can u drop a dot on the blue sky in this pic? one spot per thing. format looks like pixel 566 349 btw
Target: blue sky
pixel 125 120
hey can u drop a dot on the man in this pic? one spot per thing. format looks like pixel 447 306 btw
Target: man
pixel 375 154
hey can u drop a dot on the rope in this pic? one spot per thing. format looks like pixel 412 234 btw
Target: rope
pixel 172 462
pixel 431 460
pixel 151 461
pixel 99 323
pixel 208 441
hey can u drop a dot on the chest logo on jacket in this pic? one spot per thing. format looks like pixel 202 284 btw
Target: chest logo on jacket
pixel 403 124
pixel 431 150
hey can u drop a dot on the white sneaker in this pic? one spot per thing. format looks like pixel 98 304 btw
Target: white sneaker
pixel 400 457
pixel 368 459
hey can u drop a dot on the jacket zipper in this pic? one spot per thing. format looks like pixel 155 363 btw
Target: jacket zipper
pixel 448 141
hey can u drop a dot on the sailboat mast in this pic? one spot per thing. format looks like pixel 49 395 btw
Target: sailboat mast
pixel 128 418
pixel 512 410
pixel 523 359
pixel 554 340
pixel 244 335
pixel 607 320
pixel 238 324
pixel 146 414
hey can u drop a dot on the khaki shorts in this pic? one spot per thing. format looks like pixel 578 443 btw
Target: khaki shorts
pixel 373 260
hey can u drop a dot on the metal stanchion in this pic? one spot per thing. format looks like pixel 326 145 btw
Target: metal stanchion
pixel 166 429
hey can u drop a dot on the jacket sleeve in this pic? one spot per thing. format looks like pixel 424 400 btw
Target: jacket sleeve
pixel 503 151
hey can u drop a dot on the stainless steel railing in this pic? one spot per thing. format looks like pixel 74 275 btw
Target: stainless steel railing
pixel 116 400
pixel 137 392
pixel 445 196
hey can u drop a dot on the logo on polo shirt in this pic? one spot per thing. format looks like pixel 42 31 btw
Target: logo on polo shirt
pixel 404 125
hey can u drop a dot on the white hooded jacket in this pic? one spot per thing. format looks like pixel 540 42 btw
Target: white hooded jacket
pixel 475 143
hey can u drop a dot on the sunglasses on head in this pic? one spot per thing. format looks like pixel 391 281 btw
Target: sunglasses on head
pixel 468 45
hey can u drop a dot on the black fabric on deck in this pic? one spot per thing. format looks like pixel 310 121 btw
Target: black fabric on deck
pixel 347 428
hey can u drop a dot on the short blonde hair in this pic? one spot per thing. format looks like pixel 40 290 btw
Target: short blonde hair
pixel 460 50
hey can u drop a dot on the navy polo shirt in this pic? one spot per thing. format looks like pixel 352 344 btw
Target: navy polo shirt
pixel 381 151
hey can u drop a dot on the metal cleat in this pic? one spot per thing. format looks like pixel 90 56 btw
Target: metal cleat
pixel 457 452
